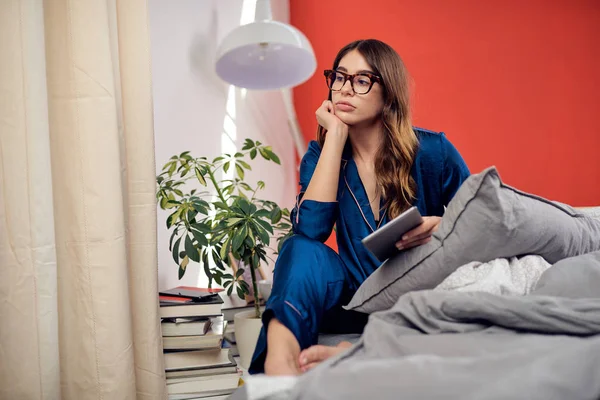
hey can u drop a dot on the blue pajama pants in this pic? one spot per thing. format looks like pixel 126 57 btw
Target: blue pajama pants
pixel 310 285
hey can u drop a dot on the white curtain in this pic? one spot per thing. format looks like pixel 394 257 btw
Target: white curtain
pixel 78 261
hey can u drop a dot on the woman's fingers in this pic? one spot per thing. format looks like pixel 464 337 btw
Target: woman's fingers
pixel 422 232
pixel 415 243
pixel 330 107
pixel 315 354
pixel 308 367
pixel 413 238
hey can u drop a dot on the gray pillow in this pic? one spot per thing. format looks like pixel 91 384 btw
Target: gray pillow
pixel 575 277
pixel 485 220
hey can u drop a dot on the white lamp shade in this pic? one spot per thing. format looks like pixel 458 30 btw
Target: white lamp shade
pixel 265 55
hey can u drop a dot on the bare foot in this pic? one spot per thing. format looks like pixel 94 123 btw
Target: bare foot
pixel 282 350
pixel 314 355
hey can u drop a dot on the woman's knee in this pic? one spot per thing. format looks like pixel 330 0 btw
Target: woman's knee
pixel 306 254
pixel 300 245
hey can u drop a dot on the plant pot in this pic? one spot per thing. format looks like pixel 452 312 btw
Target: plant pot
pixel 247 329
pixel 264 288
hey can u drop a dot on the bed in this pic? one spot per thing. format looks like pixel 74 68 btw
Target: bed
pixel 533 336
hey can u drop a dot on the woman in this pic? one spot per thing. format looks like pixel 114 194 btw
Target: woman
pixel 368 166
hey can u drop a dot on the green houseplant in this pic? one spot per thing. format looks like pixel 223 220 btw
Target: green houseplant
pixel 228 222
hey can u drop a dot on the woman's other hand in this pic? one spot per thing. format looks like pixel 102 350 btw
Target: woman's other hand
pixel 421 234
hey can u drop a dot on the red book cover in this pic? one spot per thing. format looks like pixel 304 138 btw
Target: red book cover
pixel 174 299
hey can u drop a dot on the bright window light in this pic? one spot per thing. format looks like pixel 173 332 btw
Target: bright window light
pixel 248 12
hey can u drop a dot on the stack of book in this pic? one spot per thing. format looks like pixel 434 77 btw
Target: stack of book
pixel 196 364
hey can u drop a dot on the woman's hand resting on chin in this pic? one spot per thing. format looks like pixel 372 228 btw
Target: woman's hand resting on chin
pixel 421 234
pixel 330 122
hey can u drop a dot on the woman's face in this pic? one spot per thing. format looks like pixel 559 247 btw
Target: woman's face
pixel 352 108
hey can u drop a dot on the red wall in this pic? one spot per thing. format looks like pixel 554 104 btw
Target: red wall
pixel 514 83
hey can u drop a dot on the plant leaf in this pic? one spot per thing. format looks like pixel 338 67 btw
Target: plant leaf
pixel 263 152
pixel 252 154
pixel 201 227
pixel 252 208
pixel 248 144
pixel 244 206
pixel 226 166
pixel 224 249
pixel 200 238
pixel 239 236
pixel 251 238
pixel 206 265
pixel 263 235
pixel 245 286
pixel 183 266
pixel 239 273
pixel 192 252
pixel 171 239
pixel 276 215
pixel 233 221
pixel 255 261
pixel 200 177
pixel 221 205
pixel 244 164
pixel 265 225
pixel 273 156
pixel 163 203
pixel 262 213
pixel 191 215
pixel 240 171
pixel 245 186
pixel 240 291
pixel 175 251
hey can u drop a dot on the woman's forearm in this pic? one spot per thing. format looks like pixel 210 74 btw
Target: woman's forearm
pixel 324 182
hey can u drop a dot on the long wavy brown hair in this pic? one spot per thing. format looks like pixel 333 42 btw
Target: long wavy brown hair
pixel 395 157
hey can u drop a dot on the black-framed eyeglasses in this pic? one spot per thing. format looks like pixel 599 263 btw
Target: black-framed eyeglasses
pixel 361 83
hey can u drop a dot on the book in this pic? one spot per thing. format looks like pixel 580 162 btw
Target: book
pixel 189 373
pixel 194 396
pixel 211 339
pixel 233 305
pixel 232 346
pixel 211 384
pixel 229 332
pixel 197 359
pixel 207 341
pixel 185 326
pixel 204 308
pixel 190 292
pixel 172 300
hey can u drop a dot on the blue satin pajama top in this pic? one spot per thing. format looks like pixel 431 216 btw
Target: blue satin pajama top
pixel 438 171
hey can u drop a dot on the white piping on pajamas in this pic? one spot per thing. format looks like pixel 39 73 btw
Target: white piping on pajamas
pixel 298 207
pixel 360 208
pixel 293 308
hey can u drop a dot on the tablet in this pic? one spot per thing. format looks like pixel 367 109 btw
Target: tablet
pixel 382 242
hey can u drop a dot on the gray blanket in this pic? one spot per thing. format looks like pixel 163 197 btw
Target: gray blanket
pixel 453 345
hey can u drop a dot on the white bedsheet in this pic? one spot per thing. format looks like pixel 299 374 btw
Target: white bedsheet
pixel 516 276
